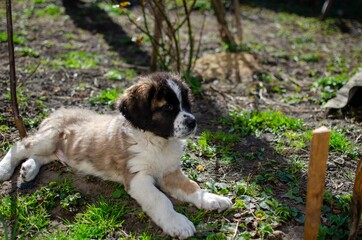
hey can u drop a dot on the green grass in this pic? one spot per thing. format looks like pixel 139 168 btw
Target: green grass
pixel 257 211
pixel 338 72
pixel 116 75
pixel 77 60
pixel 253 122
pixel 50 10
pixel 106 97
pixel 21 95
pixel 26 51
pixel 334 225
pixel 290 138
pixel 110 8
pixel 100 220
pixel 20 40
pixel 29 214
pixel 337 65
pixel 311 57
pixel 194 84
pixel 41 1
pixel 267 78
pixel 4 128
pixel 339 143
pixel 5 146
pixel 288 132
pixel 28 100
pixel 328 86
pixel 304 38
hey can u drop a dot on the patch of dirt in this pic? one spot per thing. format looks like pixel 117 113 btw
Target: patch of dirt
pixel 226 65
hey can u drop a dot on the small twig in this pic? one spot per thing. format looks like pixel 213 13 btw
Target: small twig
pixel 358 138
pixel 236 230
pixel 29 75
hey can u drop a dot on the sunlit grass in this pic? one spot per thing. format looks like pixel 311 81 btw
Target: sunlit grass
pixel 253 122
pixel 106 97
pixel 76 59
pixel 100 220
pixel 51 10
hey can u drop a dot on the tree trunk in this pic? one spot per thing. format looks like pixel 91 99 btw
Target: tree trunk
pixel 239 29
pixel 225 33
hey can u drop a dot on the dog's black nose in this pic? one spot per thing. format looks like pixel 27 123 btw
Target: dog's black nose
pixel 190 122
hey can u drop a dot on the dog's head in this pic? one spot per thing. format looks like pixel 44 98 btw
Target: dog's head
pixel 159 103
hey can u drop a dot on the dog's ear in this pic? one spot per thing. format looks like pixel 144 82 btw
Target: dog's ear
pixel 135 103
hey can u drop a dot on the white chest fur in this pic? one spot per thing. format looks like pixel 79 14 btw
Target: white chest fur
pixel 154 155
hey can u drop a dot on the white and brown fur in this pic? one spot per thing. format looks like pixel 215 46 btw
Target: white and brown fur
pixel 140 148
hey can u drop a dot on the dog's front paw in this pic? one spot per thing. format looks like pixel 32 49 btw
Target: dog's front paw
pixel 211 201
pixel 177 225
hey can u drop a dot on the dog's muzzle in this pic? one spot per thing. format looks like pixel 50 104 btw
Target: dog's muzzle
pixel 185 125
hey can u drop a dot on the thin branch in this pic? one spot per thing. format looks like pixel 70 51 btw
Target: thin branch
pixel 144 15
pixel 14 102
pixel 173 34
pixel 30 74
pixel 189 27
pixel 186 17
pixel 200 39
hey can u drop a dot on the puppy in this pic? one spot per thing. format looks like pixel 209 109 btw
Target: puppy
pixel 140 148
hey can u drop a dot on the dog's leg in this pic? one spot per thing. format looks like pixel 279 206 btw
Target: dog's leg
pixel 43 142
pixel 12 159
pixel 180 187
pixel 30 168
pixel 159 207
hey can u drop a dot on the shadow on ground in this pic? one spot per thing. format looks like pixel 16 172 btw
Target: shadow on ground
pixel 344 9
pixel 90 17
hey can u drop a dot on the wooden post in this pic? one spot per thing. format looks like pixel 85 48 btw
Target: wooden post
pixel 316 179
pixel 356 204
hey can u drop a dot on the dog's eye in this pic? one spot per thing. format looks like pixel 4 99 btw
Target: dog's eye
pixel 167 107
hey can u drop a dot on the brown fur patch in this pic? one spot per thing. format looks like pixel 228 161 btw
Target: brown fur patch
pixel 158 103
pixel 178 181
pixel 92 140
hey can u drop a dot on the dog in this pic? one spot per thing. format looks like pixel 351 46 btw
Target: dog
pixel 140 148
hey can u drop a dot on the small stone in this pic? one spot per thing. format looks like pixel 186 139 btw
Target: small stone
pixel 277 234
pixel 339 161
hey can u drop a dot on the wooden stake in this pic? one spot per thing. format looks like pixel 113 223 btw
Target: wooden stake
pixel 316 179
pixel 356 204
